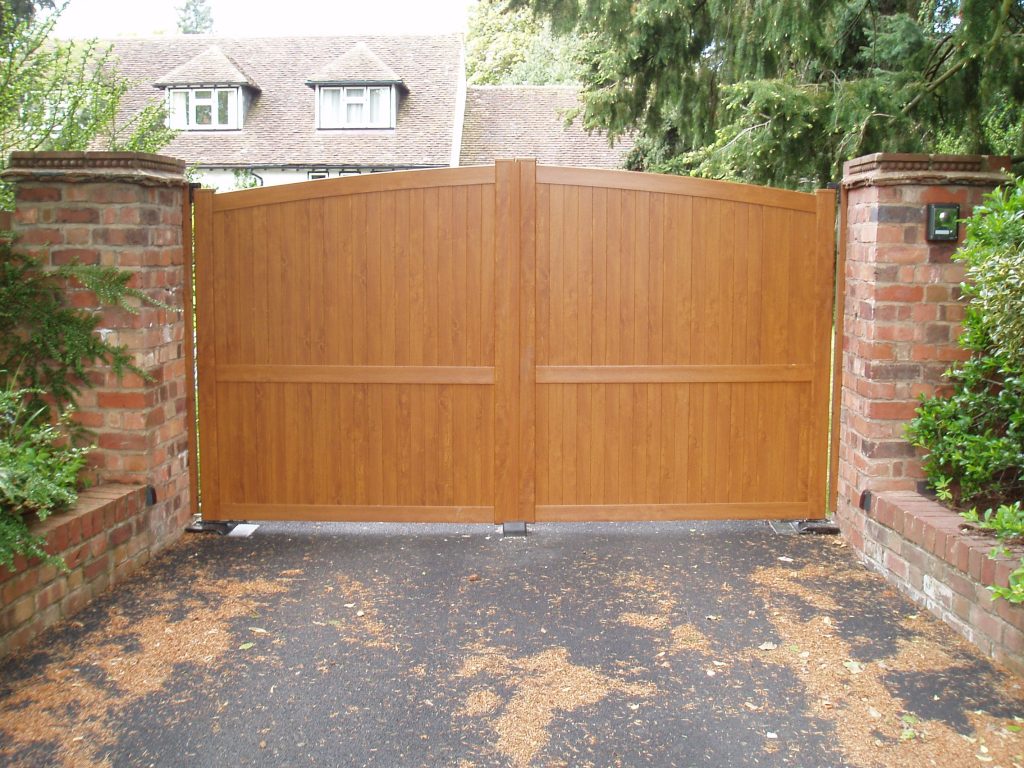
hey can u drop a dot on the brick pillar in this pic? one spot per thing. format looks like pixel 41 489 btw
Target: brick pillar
pixel 122 209
pixel 902 309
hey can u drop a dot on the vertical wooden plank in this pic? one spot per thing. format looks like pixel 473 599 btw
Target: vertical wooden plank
pixel 446 311
pixel 600 273
pixel 506 316
pixel 487 272
pixel 206 335
pixel 526 341
pixel 188 300
pixel 838 321
pixel 613 281
pixel 824 256
pixel 475 321
pixel 627 256
pixel 460 298
pixel 585 243
pixel 372 255
pixel 556 224
pixel 656 320
pixel 359 261
pixel 641 280
pixel 432 297
pixel 389 277
pixel 417 277
pixel 401 258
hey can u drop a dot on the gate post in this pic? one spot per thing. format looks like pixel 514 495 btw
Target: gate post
pixel 902 312
pixel 123 209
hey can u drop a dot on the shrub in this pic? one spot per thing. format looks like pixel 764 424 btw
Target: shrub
pixel 994 253
pixel 48 343
pixel 974 438
pixel 46 346
pixel 38 472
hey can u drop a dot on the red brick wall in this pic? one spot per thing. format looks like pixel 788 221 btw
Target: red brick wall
pixel 123 210
pixel 902 308
pixel 901 321
pixel 919 547
pixel 103 540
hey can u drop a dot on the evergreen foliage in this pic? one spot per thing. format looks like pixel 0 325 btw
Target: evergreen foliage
pixel 48 344
pixel 45 347
pixel 63 96
pixel 195 18
pixel 783 91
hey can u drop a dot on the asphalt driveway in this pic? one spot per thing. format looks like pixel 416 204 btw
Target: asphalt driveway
pixel 683 644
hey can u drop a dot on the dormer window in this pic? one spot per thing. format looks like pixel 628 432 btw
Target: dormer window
pixel 204 109
pixel 209 92
pixel 356 90
pixel 363 106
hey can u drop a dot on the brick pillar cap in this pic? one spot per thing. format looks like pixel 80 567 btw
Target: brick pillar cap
pixel 96 167
pixel 891 168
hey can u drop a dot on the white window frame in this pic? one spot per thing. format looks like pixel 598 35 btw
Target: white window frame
pixel 364 100
pixel 190 123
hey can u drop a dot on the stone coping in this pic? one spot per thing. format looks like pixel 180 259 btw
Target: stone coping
pixel 893 168
pixel 97 167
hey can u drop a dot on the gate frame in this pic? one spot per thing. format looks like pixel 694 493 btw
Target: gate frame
pixel 515 362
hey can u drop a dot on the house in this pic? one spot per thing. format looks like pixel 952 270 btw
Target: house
pixel 283 109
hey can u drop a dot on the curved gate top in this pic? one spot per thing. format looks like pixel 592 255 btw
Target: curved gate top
pixel 513 343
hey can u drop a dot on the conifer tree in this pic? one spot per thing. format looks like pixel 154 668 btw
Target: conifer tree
pixel 783 91
pixel 195 18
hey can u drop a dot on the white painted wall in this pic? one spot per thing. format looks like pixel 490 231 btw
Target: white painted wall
pixel 223 179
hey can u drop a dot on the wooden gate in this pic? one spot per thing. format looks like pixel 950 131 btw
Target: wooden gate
pixel 513 343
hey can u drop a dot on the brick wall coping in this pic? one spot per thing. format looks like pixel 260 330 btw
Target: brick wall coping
pixel 135 167
pixel 892 168
pixel 938 530
pixel 920 547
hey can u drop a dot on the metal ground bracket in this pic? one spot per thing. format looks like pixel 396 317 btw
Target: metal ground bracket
pixel 222 527
pixel 513 528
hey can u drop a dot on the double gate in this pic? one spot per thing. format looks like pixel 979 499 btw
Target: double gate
pixel 513 343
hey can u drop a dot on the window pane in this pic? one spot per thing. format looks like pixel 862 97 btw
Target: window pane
pixel 379 104
pixel 179 109
pixel 330 107
pixel 204 114
pixel 354 114
pixel 354 93
pixel 204 94
pixel 223 97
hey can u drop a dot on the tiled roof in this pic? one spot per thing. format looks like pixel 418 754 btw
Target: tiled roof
pixel 526 121
pixel 280 125
pixel 211 67
pixel 357 65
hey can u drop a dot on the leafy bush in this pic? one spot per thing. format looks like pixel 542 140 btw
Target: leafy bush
pixel 994 254
pixel 38 472
pixel 1005 523
pixel 974 438
pixel 45 348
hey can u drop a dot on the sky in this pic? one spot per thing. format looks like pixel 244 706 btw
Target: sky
pixel 237 18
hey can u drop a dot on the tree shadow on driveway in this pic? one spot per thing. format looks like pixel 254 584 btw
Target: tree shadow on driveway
pixel 672 644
